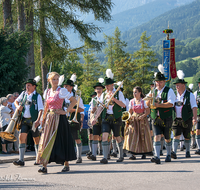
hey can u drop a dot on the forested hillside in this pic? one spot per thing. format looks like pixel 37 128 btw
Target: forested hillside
pixel 184 20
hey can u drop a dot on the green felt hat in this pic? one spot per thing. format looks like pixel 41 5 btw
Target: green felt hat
pixel 68 82
pixel 160 76
pixel 180 81
pixel 108 81
pixel 94 93
pixel 199 80
pixel 31 81
pixel 98 84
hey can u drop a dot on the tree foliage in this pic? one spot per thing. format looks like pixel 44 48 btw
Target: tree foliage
pixel 13 70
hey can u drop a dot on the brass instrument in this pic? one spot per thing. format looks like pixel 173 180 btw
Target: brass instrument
pixel 152 98
pixel 101 107
pixel 8 134
pixel 15 121
pixel 126 116
pixel 78 94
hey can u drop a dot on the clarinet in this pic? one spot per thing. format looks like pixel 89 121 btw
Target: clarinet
pixel 40 128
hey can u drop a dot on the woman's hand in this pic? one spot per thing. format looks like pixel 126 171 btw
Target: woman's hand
pixel 141 117
pixel 60 112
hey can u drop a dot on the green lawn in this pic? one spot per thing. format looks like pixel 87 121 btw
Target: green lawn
pixel 189 80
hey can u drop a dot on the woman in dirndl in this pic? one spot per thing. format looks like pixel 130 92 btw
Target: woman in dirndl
pixel 137 132
pixel 56 143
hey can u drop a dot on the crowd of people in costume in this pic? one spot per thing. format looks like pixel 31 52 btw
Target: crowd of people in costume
pixel 164 117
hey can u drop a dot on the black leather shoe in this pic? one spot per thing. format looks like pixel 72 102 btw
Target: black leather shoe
pixel 197 151
pixel 120 160
pixel 168 158
pixel 92 157
pixel 181 149
pixel 155 159
pixel 88 153
pixel 35 163
pixel 108 158
pixel 173 155
pixel 79 160
pixel 18 163
pixel 104 161
pixel 193 146
pixel 65 169
pixel 161 153
pixel 187 155
pixel 143 156
pixel 42 170
pixel 124 155
pixel 113 154
pixel 132 157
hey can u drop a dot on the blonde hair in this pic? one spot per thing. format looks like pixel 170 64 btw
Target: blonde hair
pixel 52 74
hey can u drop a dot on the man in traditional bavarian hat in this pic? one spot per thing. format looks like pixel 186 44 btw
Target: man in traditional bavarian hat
pixel 162 117
pixel 197 97
pixel 97 127
pixel 111 117
pixel 186 114
pixel 75 127
pixel 31 112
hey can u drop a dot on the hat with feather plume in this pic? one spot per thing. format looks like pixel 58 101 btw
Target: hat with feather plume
pixel 180 78
pixel 71 81
pixel 33 81
pixel 109 77
pixel 159 76
pixel 99 83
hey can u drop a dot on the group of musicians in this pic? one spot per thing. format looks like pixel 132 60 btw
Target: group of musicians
pixel 169 112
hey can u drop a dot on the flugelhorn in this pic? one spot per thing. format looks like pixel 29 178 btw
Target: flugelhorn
pixel 102 106
pixel 151 98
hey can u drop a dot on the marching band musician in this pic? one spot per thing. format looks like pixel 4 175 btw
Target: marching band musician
pixel 89 130
pixel 197 97
pixel 111 117
pixel 31 112
pixel 186 114
pixel 75 127
pixel 162 116
pixel 97 127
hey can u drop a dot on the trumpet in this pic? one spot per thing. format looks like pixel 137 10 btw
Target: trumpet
pixel 126 116
pixel 78 94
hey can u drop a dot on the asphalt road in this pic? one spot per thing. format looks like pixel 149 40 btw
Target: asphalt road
pixel 182 173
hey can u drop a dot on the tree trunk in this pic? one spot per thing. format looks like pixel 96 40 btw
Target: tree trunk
pixel 7 14
pixel 44 68
pixel 21 15
pixel 30 56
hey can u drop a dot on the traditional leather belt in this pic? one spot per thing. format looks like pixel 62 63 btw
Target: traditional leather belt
pixel 179 103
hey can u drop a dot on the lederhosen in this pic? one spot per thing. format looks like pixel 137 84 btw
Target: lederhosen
pixel 75 127
pixel 163 122
pixel 198 110
pixel 184 124
pixel 26 124
pixel 112 121
pixel 97 129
